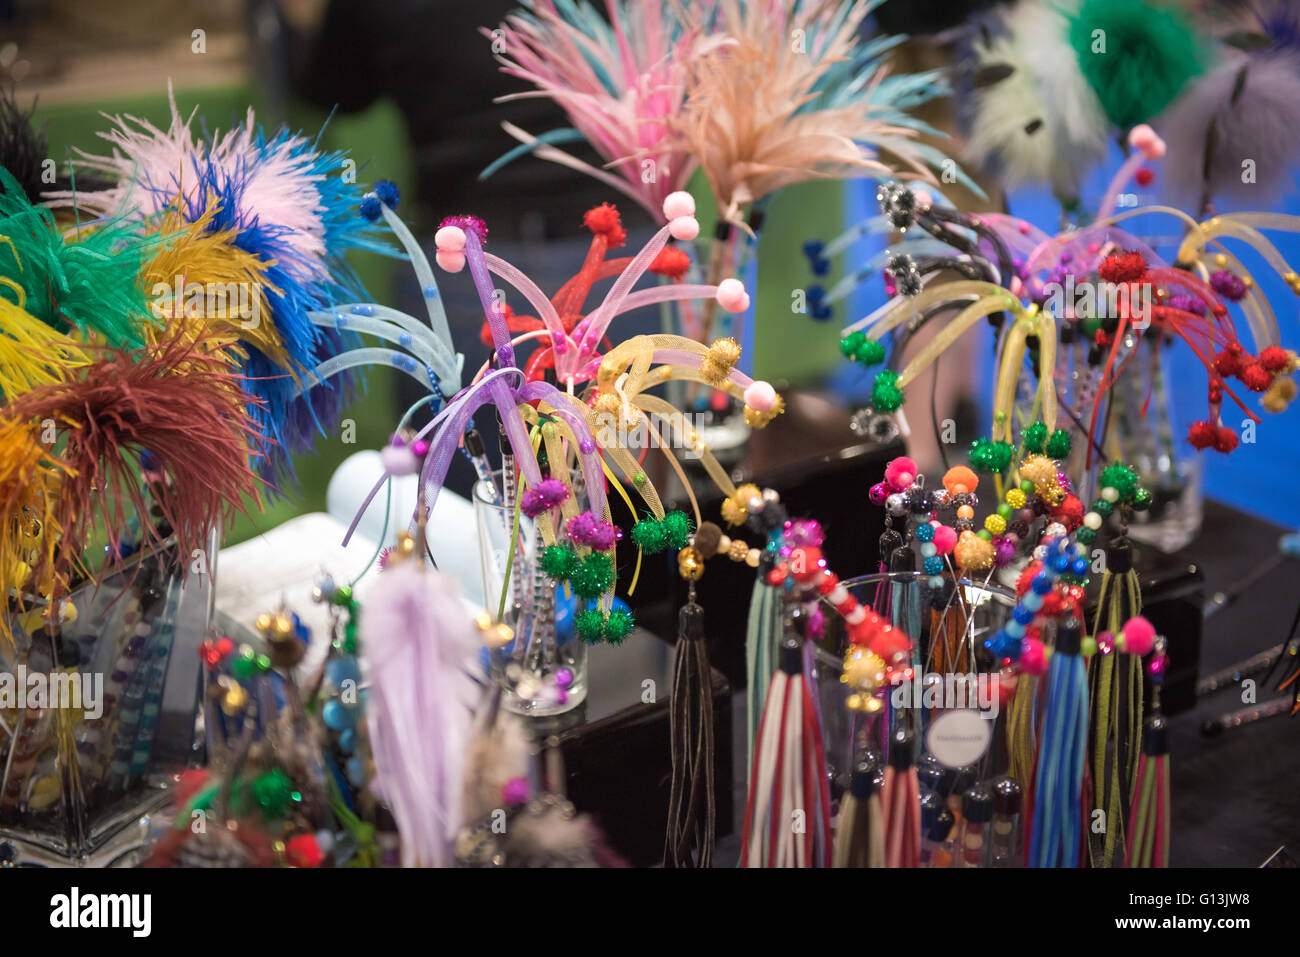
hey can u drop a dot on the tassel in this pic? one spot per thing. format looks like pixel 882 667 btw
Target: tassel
pixel 787 814
pixel 1054 839
pixel 761 636
pixel 901 804
pixel 418 649
pixel 1116 693
pixel 860 837
pixel 1148 844
pixel 691 832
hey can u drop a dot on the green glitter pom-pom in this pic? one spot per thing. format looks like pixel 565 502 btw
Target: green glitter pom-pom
pixel 592 576
pixel 1034 437
pixel 618 625
pixel 850 344
pixel 1086 536
pixel 989 456
pixel 650 535
pixel 870 353
pixel 1000 455
pixel 271 791
pixel 677 530
pixel 558 562
pixel 1058 446
pixel 590 624
pixel 1121 478
pixel 886 396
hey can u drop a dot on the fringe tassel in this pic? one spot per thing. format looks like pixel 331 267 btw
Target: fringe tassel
pixel 691 834
pixel 787 814
pixel 1055 836
pixel 860 837
pixel 761 636
pixel 1116 693
pixel 1148 844
pixel 901 804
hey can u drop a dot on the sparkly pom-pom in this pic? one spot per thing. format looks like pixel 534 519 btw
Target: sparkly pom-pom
pixel 650 535
pixel 590 625
pixel 886 396
pixel 558 562
pixel 677 529
pixel 544 496
pixel 470 224
pixel 1123 267
pixel 1225 440
pixel 1256 377
pixel 1058 446
pixel 1121 478
pixel 1035 437
pixel 618 625
pixel 592 576
pixel 386 192
pixel 1201 434
pixel 1274 358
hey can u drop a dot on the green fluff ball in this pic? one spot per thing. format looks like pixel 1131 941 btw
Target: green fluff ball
pixel 1121 478
pixel 1034 437
pixel 1000 455
pixel 677 530
pixel 989 456
pixel 590 624
pixel 592 576
pixel 650 535
pixel 1136 56
pixel 558 561
pixel 618 625
pixel 870 353
pixel 1058 446
pixel 850 344
pixel 886 396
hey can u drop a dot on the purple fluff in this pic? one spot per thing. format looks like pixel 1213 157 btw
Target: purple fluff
pixel 544 496
pixel 1187 304
pixel 1004 551
pixel 806 533
pixel 586 529
pixel 1228 285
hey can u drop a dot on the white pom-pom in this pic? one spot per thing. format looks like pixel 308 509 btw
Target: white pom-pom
pixel 760 396
pixel 450 261
pixel 684 228
pixel 399 460
pixel 731 295
pixel 450 238
pixel 678 204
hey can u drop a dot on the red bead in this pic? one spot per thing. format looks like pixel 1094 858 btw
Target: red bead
pixel 828 582
pixel 805 563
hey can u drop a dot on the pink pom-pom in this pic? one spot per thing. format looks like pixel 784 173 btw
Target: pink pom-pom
pixel 923 199
pixel 678 205
pixel 684 228
pixel 450 238
pixel 1139 636
pixel 1148 141
pixel 1033 657
pixel 731 295
pixel 945 539
pixel 450 261
pixel 760 396
pixel 399 460
pixel 900 473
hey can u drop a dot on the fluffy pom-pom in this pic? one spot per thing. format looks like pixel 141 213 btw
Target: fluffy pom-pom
pixel 617 626
pixel 1228 285
pixel 973 553
pixel 1201 434
pixel 959 479
pixel 590 625
pixel 558 561
pixel 945 539
pixel 1274 358
pixel 592 576
pixel 886 396
pixel 603 220
pixel 1150 52
pixel 1229 361
pixel 370 209
pixel 388 193
pixel 731 295
pixel 1255 377
pixel 1121 478
pixel 1034 437
pixel 587 529
pixel 1069 513
pixel 900 473
pixel 677 529
pixel 1139 636
pixel 1123 267
pixel 469 224
pixel 670 262
pixel 650 536
pixel 1058 446
pixel 684 228
pixel 678 204
pixel 1225 440
pixel 547 494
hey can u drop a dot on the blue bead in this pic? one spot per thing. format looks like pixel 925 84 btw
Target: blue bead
pixel 1033 601
pixel 1079 567
pixel 342 669
pixel 405 340
pixel 1290 545
pixel 356 772
pixel 1015 629
pixel 1023 615
pixel 995 644
pixel 338 716
pixel 928 549
pixel 936 581
pixel 340 320
pixel 348 741
pixel 430 292
pixel 1042 584
pixel 934 565
pixel 1060 563
pixel 925 532
pixel 363 309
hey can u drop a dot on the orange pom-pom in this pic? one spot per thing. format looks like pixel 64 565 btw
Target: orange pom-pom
pixel 603 220
pixel 959 479
pixel 671 262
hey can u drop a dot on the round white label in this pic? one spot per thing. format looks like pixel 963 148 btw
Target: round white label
pixel 958 738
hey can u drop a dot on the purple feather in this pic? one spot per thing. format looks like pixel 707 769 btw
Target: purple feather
pixel 418 652
pixel 1253 115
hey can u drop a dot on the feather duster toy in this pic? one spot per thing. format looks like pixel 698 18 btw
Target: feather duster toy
pixel 277 198
pixel 418 655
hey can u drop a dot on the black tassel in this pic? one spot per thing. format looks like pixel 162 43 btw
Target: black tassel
pixel 691 813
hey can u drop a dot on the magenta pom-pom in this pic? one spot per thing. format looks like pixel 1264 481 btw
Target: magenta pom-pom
pixel 945 539
pixel 469 224
pixel 900 473
pixel 1139 636
pixel 544 496
pixel 399 460
pixel 1033 657
pixel 586 529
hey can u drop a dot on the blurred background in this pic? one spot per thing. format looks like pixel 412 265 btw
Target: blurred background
pixel 407 87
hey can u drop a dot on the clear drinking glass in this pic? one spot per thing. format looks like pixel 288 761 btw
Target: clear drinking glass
pixel 528 666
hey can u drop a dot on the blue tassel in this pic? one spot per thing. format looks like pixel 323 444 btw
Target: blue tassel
pixel 1054 840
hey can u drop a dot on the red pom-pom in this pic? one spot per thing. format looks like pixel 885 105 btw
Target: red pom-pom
pixel 1145 176
pixel 1255 376
pixel 806 563
pixel 1225 440
pixel 1123 267
pixel 603 220
pixel 1053 604
pixel 671 262
pixel 1026 578
pixel 1069 513
pixel 888 644
pixel 303 851
pixel 1228 362
pixel 1201 434
pixel 1274 359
